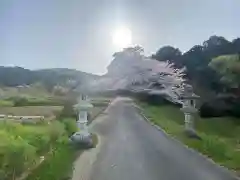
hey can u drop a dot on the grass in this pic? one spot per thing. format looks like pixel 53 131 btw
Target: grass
pixel 57 165
pixel 6 103
pixel 22 145
pixel 220 136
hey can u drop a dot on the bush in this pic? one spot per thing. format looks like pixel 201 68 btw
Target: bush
pixel 6 103
pixel 70 126
pixel 56 130
pixel 16 156
pixel 22 145
pixel 208 110
pixel 68 110
pixel 221 107
pixel 20 101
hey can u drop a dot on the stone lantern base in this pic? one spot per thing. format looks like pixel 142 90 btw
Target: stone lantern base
pixel 189 114
pixel 81 140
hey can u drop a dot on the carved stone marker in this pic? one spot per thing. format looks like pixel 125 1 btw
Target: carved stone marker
pixel 82 108
pixel 189 108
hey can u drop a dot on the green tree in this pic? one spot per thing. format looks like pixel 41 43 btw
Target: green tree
pixel 228 67
pixel 168 53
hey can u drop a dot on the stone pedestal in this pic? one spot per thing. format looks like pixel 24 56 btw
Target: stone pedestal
pixel 83 107
pixel 189 108
pixel 189 115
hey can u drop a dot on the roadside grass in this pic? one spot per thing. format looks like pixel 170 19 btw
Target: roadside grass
pixel 22 145
pixel 59 163
pixel 220 136
pixel 57 166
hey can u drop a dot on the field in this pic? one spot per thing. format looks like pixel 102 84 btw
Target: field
pixel 34 91
pixel 23 145
pixel 220 136
pixel 46 111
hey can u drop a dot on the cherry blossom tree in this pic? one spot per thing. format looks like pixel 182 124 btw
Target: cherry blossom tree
pixel 131 70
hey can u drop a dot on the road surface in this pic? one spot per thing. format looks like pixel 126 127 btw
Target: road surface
pixel 132 149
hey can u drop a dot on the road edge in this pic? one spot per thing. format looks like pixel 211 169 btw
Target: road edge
pixel 231 173
pixel 88 157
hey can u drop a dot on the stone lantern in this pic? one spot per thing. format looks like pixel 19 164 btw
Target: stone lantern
pixel 189 108
pixel 82 108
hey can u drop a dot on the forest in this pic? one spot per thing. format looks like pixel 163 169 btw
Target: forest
pixel 213 64
pixel 213 68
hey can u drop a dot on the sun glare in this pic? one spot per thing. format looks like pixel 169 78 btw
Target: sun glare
pixel 122 37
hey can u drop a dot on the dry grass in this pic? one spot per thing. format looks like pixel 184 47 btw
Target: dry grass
pixel 46 111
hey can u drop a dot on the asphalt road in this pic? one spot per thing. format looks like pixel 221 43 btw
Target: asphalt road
pixel 132 149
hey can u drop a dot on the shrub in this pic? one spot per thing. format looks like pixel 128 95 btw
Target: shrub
pixel 36 137
pixel 70 126
pixel 21 145
pixel 56 130
pixel 67 110
pixel 212 110
pixel 20 101
pixel 6 103
pixel 16 156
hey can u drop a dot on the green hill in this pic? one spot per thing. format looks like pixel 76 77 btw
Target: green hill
pixel 18 76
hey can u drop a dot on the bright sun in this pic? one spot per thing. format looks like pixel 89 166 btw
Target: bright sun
pixel 122 37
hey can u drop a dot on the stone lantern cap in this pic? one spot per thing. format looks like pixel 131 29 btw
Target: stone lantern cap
pixel 83 105
pixel 189 109
pixel 193 96
pixel 188 93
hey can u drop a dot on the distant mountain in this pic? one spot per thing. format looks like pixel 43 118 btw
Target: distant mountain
pixel 15 76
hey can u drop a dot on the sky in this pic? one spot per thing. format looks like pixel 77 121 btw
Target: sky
pixel 37 34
